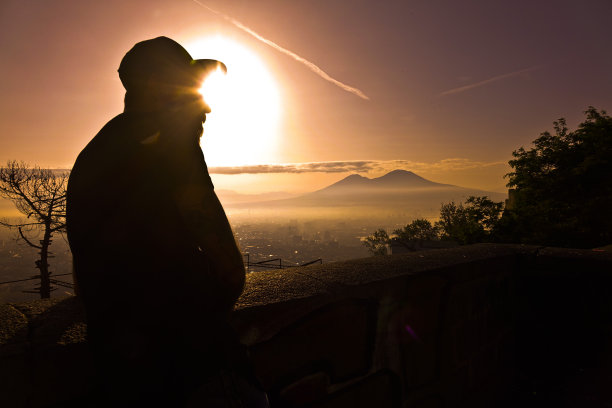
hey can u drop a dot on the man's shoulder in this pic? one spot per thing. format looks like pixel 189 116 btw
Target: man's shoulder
pixel 117 135
pixel 101 151
pixel 113 128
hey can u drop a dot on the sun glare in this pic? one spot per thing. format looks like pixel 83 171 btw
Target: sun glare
pixel 243 125
pixel 212 89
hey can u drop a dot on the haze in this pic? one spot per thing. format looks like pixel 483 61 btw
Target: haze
pixel 453 87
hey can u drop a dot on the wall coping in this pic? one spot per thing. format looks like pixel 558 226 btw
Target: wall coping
pixel 61 321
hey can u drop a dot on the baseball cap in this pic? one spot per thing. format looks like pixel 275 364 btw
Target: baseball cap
pixel 168 60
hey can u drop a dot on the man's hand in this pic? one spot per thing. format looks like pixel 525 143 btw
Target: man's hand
pixel 205 218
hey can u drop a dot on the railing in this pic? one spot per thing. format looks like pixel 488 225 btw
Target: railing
pixel 267 263
pixel 249 266
pixel 53 281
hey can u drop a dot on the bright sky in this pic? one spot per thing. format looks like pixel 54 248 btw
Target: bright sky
pixel 453 87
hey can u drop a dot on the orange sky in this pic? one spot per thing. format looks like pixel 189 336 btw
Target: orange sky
pixel 453 87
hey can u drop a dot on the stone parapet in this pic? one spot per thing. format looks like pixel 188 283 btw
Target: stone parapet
pixel 478 325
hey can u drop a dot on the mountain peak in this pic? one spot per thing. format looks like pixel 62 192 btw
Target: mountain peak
pixel 396 189
pixel 394 180
pixel 403 178
pixel 400 171
pixel 399 174
pixel 352 180
pixel 354 177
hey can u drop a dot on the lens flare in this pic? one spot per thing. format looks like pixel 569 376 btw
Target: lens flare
pixel 213 89
pixel 243 126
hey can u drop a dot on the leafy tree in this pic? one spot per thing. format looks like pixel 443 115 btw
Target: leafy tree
pixel 417 231
pixel 562 189
pixel 377 242
pixel 40 195
pixel 456 225
pixel 470 223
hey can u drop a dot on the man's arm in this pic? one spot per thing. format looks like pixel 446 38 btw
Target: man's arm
pixel 205 218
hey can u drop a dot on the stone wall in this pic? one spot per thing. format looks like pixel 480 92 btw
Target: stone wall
pixel 484 325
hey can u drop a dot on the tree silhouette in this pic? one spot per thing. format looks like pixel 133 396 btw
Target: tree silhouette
pixel 476 220
pixel 473 222
pixel 415 233
pixel 377 242
pixel 39 194
pixel 562 192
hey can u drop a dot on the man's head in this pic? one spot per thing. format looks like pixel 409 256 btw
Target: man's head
pixel 160 74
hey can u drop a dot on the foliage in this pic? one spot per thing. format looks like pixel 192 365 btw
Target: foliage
pixel 377 242
pixel 470 223
pixel 418 230
pixel 474 221
pixel 40 195
pixel 562 193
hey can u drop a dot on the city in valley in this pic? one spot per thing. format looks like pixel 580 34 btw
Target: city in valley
pixel 327 225
pixel 264 244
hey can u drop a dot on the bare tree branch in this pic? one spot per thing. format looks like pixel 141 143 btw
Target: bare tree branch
pixel 40 195
pixel 27 240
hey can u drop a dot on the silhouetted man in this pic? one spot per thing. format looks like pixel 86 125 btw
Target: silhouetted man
pixel 155 260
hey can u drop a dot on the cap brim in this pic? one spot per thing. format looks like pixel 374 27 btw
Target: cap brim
pixel 207 66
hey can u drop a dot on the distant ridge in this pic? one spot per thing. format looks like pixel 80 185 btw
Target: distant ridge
pixel 404 177
pixel 229 197
pixel 396 191
pixel 395 180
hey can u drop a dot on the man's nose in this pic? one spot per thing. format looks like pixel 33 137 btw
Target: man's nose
pixel 204 105
pixel 200 103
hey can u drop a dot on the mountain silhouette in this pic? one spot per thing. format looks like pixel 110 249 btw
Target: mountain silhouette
pixel 395 180
pixel 396 191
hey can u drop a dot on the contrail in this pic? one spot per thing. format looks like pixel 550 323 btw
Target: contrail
pixel 487 81
pixel 313 67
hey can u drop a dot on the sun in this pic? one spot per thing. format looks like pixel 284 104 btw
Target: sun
pixel 243 126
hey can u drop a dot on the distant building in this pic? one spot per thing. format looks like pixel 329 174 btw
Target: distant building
pixel 511 200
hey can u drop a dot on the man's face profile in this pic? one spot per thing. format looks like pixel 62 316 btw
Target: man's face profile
pixel 185 109
pixel 160 76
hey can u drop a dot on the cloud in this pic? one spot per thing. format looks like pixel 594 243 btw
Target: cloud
pixel 487 81
pixel 313 67
pixel 314 167
pixel 357 166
